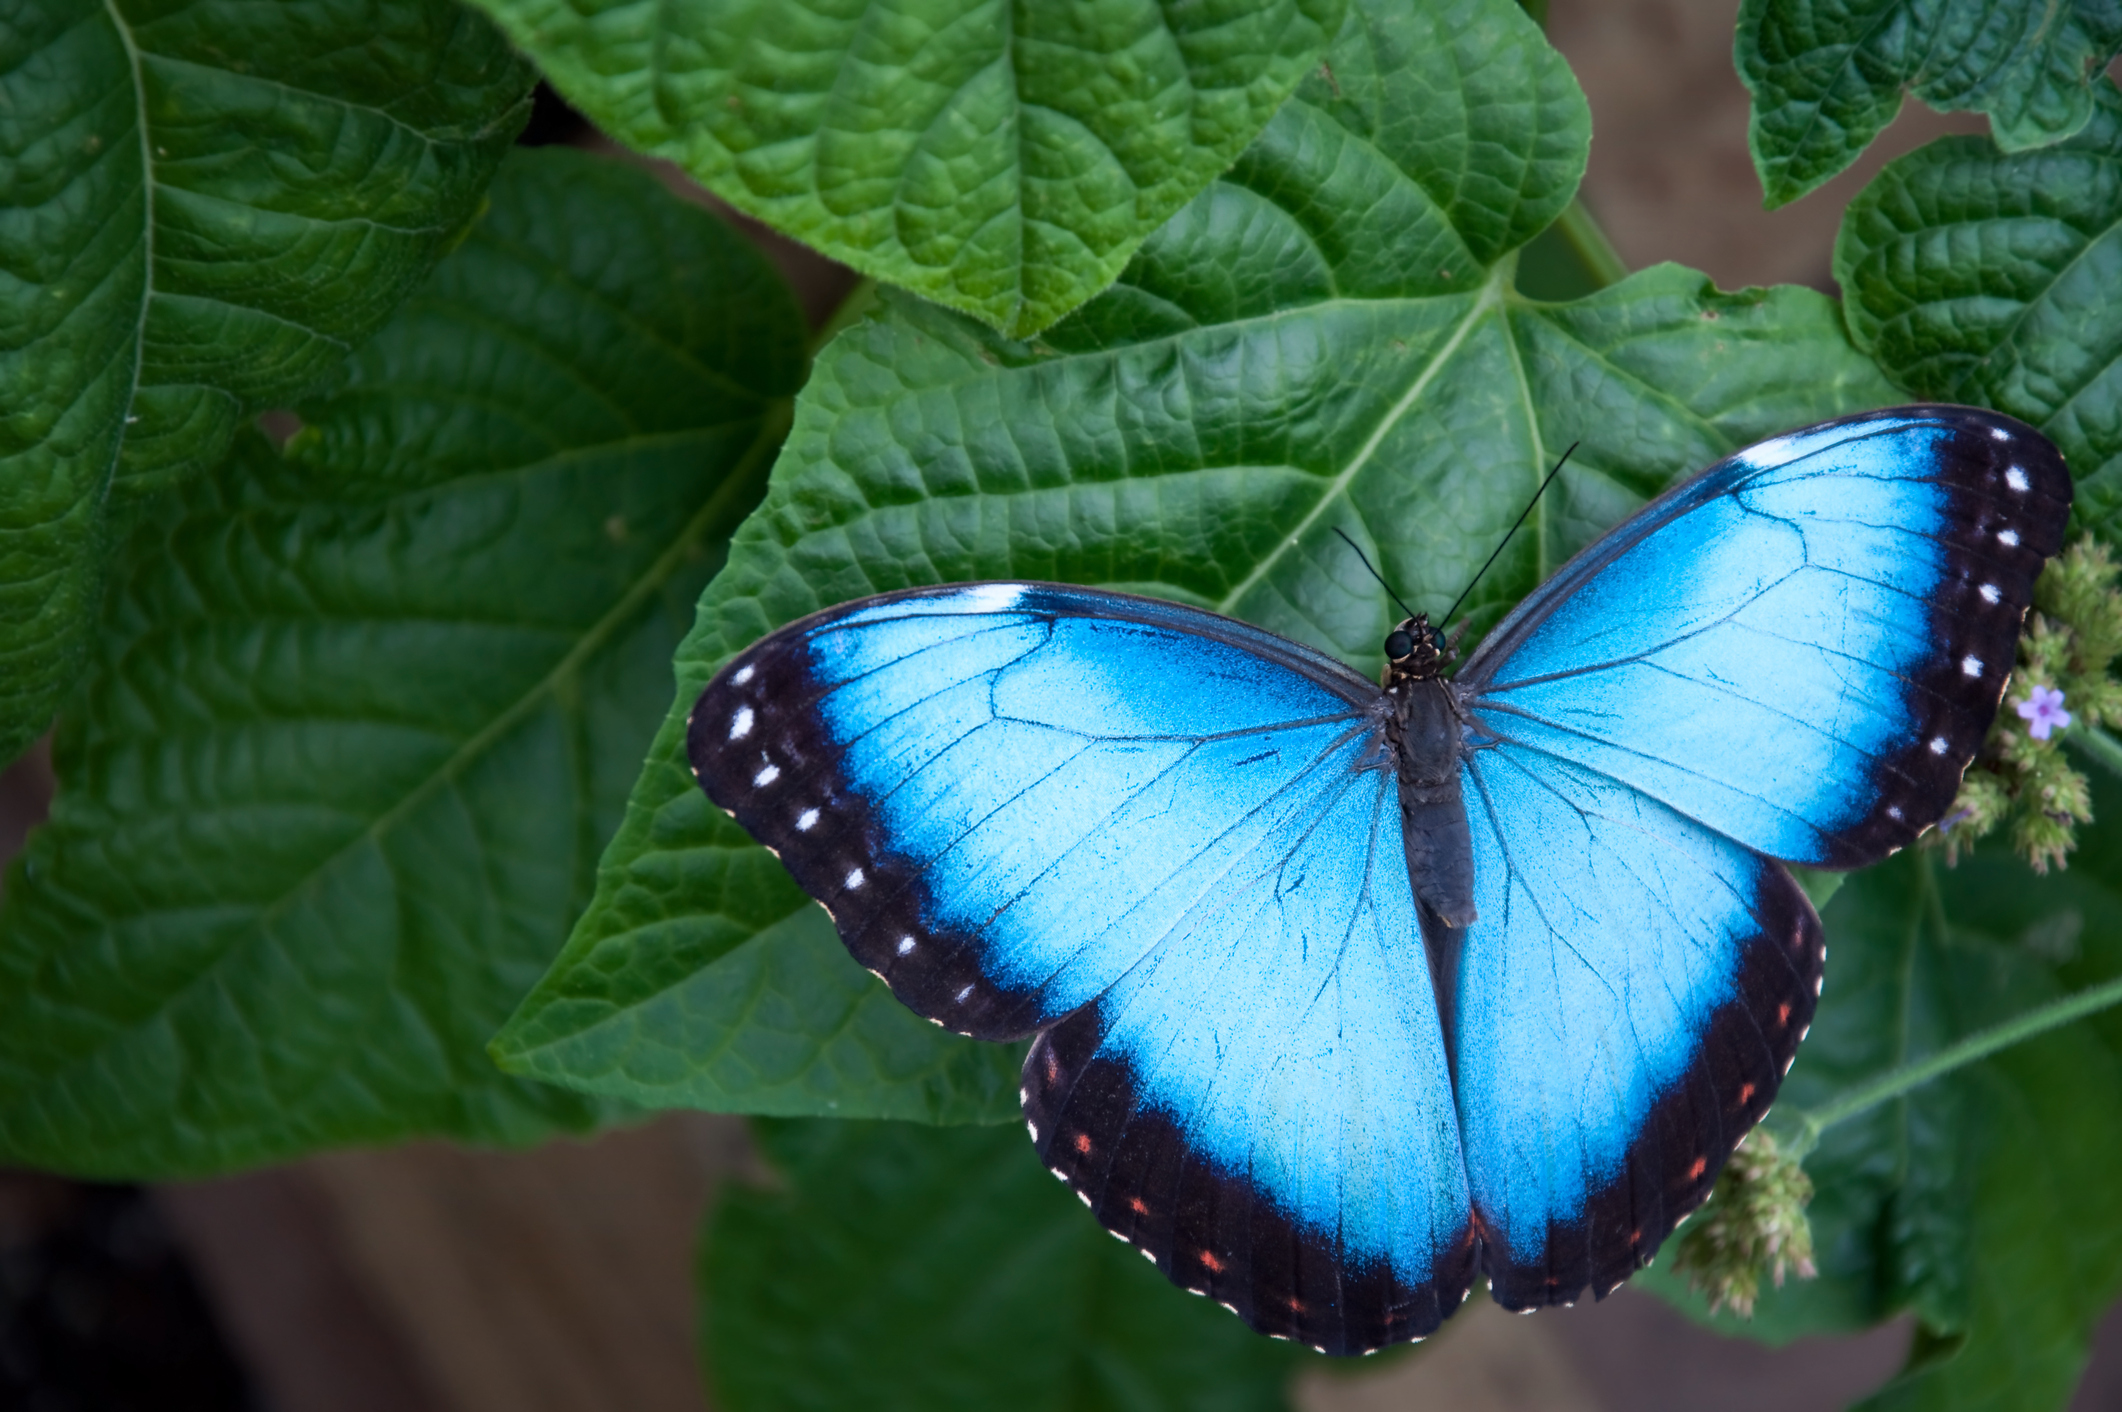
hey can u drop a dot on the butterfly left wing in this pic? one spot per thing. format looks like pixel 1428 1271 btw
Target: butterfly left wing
pixel 1623 1011
pixel 1170 844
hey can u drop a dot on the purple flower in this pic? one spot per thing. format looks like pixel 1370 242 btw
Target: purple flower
pixel 2044 709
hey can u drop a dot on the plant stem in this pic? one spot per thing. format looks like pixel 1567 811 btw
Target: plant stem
pixel 1808 1126
pixel 2098 746
pixel 1590 245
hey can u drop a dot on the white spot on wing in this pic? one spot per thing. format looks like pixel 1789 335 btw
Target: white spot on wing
pixel 740 725
pixel 963 993
pixel 1937 745
pixel 906 944
pixel 1971 666
pixel 805 819
pixel 743 674
pixel 2008 538
pixel 2000 433
pixel 1990 594
pixel 767 775
pixel 2015 478
pixel 854 878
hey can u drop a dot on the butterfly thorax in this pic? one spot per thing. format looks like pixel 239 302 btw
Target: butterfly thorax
pixel 1426 731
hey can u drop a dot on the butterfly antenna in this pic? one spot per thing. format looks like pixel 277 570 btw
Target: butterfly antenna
pixel 1522 514
pixel 1374 572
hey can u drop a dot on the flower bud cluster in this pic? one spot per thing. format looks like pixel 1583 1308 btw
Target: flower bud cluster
pixel 1754 1224
pixel 2021 777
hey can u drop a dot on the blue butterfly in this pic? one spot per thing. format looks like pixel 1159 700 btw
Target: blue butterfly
pixel 1343 994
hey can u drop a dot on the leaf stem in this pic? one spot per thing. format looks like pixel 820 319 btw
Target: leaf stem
pixel 1807 1126
pixel 2098 746
pixel 1590 245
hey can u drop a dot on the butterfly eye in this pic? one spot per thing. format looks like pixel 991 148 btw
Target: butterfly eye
pixel 1399 645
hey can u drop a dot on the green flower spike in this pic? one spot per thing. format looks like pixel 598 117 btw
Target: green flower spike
pixel 2021 776
pixel 1753 1225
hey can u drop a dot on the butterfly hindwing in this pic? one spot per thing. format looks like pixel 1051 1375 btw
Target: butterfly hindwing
pixel 1624 1011
pixel 1802 647
pixel 1170 845
pixel 1261 1105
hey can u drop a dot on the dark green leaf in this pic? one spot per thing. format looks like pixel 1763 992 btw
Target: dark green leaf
pixel 1986 1201
pixel 934 1269
pixel 360 718
pixel 208 204
pixel 1977 277
pixel 1004 159
pixel 1326 339
pixel 1827 75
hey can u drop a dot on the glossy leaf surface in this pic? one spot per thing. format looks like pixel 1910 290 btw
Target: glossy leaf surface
pixel 208 204
pixel 959 1275
pixel 1973 276
pixel 1003 159
pixel 361 717
pixel 1827 76
pixel 1325 339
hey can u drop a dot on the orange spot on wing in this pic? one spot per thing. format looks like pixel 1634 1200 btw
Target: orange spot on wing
pixel 1208 1258
pixel 1082 1142
pixel 1138 1205
pixel 1694 1173
pixel 1783 1013
pixel 1746 1092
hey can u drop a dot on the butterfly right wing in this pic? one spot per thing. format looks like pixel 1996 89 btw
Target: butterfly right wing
pixel 1171 845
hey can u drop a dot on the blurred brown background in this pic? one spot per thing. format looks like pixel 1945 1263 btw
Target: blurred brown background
pixel 430 1279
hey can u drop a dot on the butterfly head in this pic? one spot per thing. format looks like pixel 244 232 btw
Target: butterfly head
pixel 1415 651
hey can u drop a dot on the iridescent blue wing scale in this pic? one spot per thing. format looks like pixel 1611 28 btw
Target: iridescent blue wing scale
pixel 1169 845
pixel 1792 656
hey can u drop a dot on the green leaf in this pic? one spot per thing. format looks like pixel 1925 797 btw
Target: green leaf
pixel 1975 276
pixel 1004 159
pixel 1984 1201
pixel 1326 339
pixel 934 1269
pixel 360 718
pixel 1827 76
pixel 208 204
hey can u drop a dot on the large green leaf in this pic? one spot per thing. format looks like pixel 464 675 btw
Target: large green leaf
pixel 1002 158
pixel 1986 1201
pixel 1326 339
pixel 208 202
pixel 1827 76
pixel 938 1269
pixel 1976 276
pixel 360 718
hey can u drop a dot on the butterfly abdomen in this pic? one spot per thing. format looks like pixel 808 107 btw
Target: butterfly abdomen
pixel 1425 731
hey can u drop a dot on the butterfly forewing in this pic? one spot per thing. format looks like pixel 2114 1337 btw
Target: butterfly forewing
pixel 1804 646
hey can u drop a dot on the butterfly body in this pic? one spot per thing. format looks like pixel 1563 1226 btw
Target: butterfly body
pixel 1427 730
pixel 1343 994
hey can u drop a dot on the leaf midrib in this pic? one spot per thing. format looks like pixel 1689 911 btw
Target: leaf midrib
pixel 1489 297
